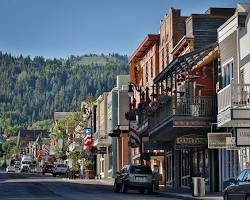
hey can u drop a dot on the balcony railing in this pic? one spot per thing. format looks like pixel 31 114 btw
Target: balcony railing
pixel 195 107
pixel 234 96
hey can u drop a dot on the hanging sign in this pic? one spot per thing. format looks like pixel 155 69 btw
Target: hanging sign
pixel 243 136
pixel 188 141
pixel 217 140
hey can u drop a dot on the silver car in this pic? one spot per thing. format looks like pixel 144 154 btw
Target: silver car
pixel 136 177
pixel 239 188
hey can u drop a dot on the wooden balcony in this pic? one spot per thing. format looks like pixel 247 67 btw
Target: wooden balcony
pixel 234 106
pixel 179 112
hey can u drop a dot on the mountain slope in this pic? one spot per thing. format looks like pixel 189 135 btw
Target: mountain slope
pixel 32 89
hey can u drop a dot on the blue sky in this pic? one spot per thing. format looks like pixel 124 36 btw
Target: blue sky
pixel 60 28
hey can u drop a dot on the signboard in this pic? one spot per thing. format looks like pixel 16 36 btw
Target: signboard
pixel 217 140
pixel 188 141
pixel 243 136
pixel 102 150
pixel 231 143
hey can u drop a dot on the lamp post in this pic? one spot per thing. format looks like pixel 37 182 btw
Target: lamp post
pixel 141 91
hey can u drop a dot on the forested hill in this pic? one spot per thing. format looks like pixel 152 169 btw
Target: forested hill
pixel 32 89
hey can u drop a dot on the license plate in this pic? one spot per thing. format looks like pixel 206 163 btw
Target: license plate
pixel 140 179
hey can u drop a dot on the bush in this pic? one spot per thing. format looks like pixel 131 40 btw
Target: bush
pixel 88 164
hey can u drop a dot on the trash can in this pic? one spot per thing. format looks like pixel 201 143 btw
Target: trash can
pixel 198 186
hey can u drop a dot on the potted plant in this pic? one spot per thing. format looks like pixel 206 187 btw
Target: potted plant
pixel 89 169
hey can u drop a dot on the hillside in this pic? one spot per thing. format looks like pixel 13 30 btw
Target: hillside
pixel 32 89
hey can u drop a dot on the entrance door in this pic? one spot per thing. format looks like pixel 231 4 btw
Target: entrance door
pixel 185 158
pixel 169 168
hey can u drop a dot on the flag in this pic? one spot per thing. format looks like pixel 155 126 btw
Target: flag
pixel 87 138
pixel 134 134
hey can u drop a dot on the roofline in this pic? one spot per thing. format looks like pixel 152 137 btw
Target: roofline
pixel 152 38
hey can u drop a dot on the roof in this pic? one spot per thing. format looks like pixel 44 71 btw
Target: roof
pixel 146 43
pixel 185 61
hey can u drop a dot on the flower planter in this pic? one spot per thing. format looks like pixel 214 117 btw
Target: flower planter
pixel 89 174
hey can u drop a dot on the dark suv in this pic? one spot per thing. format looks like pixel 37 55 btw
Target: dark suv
pixel 136 177
pixel 48 168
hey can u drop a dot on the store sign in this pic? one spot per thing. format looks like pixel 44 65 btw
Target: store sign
pixel 217 140
pixel 231 143
pixel 190 141
pixel 243 136
pixel 102 150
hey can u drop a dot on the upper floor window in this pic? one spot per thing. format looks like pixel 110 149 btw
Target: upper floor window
pixel 151 67
pixel 226 74
pixel 146 77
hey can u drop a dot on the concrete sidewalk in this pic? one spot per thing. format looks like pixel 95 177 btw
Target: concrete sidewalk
pixel 163 190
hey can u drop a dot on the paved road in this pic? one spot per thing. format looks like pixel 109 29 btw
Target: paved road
pixel 20 186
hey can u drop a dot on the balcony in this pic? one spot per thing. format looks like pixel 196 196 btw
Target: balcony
pixel 234 106
pixel 182 112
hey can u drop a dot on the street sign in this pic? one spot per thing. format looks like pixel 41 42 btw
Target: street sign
pixel 243 136
pixel 102 150
pixel 217 140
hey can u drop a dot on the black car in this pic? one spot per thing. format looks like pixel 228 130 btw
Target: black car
pixel 136 177
pixel 48 168
pixel 239 188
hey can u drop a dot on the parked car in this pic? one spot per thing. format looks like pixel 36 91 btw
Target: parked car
pixel 17 165
pixel 48 168
pixel 10 168
pixel 239 188
pixel 137 177
pixel 60 169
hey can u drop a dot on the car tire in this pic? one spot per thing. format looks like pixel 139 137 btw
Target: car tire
pixel 124 188
pixel 116 187
pixel 247 197
pixel 54 175
pixel 142 191
pixel 225 196
pixel 150 191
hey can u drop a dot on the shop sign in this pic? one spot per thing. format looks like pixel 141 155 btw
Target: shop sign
pixel 217 140
pixel 231 143
pixel 243 136
pixel 190 141
pixel 102 150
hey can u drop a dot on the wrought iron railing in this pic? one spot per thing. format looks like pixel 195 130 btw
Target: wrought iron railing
pixel 195 107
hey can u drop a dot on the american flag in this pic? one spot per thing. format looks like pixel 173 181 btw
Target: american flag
pixel 87 138
pixel 134 134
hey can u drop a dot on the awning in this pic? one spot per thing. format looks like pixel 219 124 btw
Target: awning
pixel 184 62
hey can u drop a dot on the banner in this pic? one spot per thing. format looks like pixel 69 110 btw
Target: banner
pixel 217 140
pixel 134 134
pixel 87 138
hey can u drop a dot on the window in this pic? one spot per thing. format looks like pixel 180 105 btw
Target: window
pixel 140 170
pixel 146 72
pixel 151 67
pixel 241 176
pixel 227 74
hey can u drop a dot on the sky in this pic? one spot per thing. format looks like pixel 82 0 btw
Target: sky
pixel 60 28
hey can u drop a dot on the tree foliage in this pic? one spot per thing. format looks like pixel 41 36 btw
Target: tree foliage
pixel 32 89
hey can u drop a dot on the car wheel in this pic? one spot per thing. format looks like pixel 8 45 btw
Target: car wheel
pixel 150 190
pixel 142 191
pixel 124 188
pixel 225 196
pixel 247 197
pixel 54 175
pixel 116 187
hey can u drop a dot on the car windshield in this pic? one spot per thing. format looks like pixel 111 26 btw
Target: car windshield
pixel 61 165
pixel 140 170
pixel 26 162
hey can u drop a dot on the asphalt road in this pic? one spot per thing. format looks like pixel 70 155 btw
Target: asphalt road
pixel 21 186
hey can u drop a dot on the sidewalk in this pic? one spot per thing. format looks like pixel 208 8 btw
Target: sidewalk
pixel 170 192
pixel 188 195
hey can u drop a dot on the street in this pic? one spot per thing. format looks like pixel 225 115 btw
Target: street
pixel 23 186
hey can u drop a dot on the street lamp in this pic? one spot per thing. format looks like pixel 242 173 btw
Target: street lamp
pixel 131 115
pixel 116 132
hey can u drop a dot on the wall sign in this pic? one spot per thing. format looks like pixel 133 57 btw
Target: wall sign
pixel 243 136
pixel 217 140
pixel 231 143
pixel 188 141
